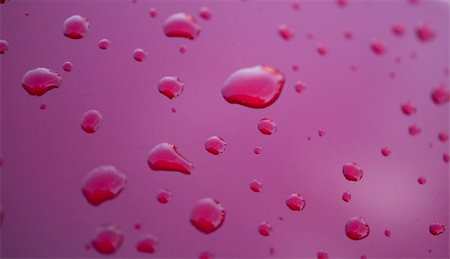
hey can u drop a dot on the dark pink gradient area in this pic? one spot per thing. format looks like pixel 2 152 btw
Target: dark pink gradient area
pixel 350 94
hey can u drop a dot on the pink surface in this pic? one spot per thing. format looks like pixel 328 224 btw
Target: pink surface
pixel 351 93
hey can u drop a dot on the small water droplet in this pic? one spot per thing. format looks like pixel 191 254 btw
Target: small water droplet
pixel 257 150
pixel 321 132
pixel 322 49
pixel 352 171
pixel 437 228
pixel 137 226
pixel 398 60
pixel 446 157
pixel 91 121
pixel 271 251
pixel 153 12
pixel 40 80
pixel 295 67
pixel 206 255
pixel 385 151
pixel 215 145
pixel 139 54
pixel 443 136
pixel 67 66
pixel 207 215
pixel 378 47
pixel 300 86
pixel 408 108
pixel 104 44
pixel 295 202
pixel 147 244
pixel 310 35
pixel 440 94
pixel 107 239
pixel 398 29
pixel 254 87
pixel 267 126
pixel 103 183
pixel 170 86
pixel 165 156
pixel 414 129
pixel 348 34
pixel 295 5
pixel 354 68
pixel 356 228
pixel 163 196
pixel 43 106
pixel 27 13
pixel 4 46
pixel 76 27
pixel 285 32
pixel 256 186
pixel 322 255
pixel 363 257
pixel 174 110
pixel 425 32
pixel 387 233
pixel 265 229
pixel 181 25
pixel 341 3
pixel 2 216
pixel 182 49
pixel 422 180
pixel 205 13
pixel 346 196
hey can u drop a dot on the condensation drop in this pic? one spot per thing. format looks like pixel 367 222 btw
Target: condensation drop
pixel 387 233
pixel 321 132
pixel 408 108
pixel 205 13
pixel 40 80
pixel 107 239
pixel 67 66
pixel 103 183
pixel 378 47
pixel 346 196
pixel 422 180
pixel 165 157
pixel 295 5
pixel 425 32
pixel 437 228
pixel 170 86
pixel 265 229
pixel 356 228
pixel 385 151
pixel 153 12
pixel 295 202
pixel 443 136
pixel 267 126
pixel 4 46
pixel 182 49
pixel 139 55
pixel 91 121
pixel 352 172
pixel 398 29
pixel 256 186
pixel 163 196
pixel 322 49
pixel 440 94
pixel 414 129
pixel 104 44
pixel 147 244
pixel 348 34
pixel 181 25
pixel 207 215
pixel 285 32
pixel 215 145
pixel 295 67
pixel 76 27
pixel 341 3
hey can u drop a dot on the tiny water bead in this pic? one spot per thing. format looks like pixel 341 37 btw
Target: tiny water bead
pixel 257 150
pixel 443 136
pixel 387 233
pixel 137 226
pixel 446 157
pixel 346 196
pixel 321 132
pixel 422 180
pixel 408 108
pixel 139 54
pixel 170 86
pixel 321 49
pixel 267 126
pixel 378 47
pixel 398 29
pixel 205 13
pixel 254 87
pixel 295 202
pixel 414 129
pixel 107 239
pixel 356 228
pixel 322 255
pixel 165 157
pixel 352 171
pixel 437 228
pixel 206 255
pixel 256 186
pixel 76 27
pixel 300 86
pixel 440 94
pixel 385 151
pixel 147 244
pixel 4 46
pixel 91 121
pixel 207 215
pixel 67 66
pixel 103 183
pixel 425 32
pixel 265 229
pixel 295 5
pixel 43 106
pixel 163 196
pixel 182 49
pixel 348 34
pixel 40 80
pixel 153 12
pixel 295 67
pixel 181 25
pixel 285 32
pixel 215 145
pixel 104 44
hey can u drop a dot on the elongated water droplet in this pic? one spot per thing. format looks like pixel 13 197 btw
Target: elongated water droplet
pixel 295 202
pixel 440 94
pixel 352 172
pixel 322 255
pixel 139 55
pixel 425 32
pixel 67 66
pixel 408 108
pixel 103 183
pixel 356 228
pixel 254 87
pixel 104 44
pixel 285 32
pixel 267 126
pixel 443 136
pixel 422 180
pixel 256 186
pixel 378 47
pixel 346 196
pixel 265 229
pixel 207 215
pixel 414 129
pixel 165 156
pixel 76 27
pixel 91 121
pixel 147 244
pixel 4 46
pixel 170 86
pixel 163 196
pixel 215 145
pixel 107 239
pixel 181 25
pixel 40 80
pixel 437 228
pixel 205 13
pixel 385 151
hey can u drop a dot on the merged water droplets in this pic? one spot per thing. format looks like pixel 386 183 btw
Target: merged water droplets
pixel 40 80
pixel 285 32
pixel 215 145
pixel 440 94
pixel 295 202
pixel 356 228
pixel 165 157
pixel 437 228
pixel 254 87
pixel 256 186
pixel 207 215
pixel 91 121
pixel 265 229
pixel 181 25
pixel 107 239
pixel 76 27
pixel 170 86
pixel 4 46
pixel 267 126
pixel 103 183
pixel 147 244
pixel 352 171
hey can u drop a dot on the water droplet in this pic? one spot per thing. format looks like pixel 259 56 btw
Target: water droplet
pixel 295 202
pixel 271 251
pixel 107 239
pixel 254 87
pixel 137 226
pixel 256 186
pixel 437 228
pixel 363 257
pixel 341 3
pixel 104 44
pixel 205 13
pixel 414 2
pixel 321 132
pixel 310 35
pixel 170 86
pixel 91 121
pixel 322 255
pixel 182 49
pixel 387 233
pixel 257 150
pixel 206 255
pixel 295 67
pixel 181 25
pixel 348 34
pixel 378 47
pixel 422 180
pixel 346 196
pixel 153 12
pixel 103 183
pixel 443 136
pixel 215 145
pixel 2 216
pixel 385 151
pixel 446 157
pixel 300 86
pixel 67 66
pixel 398 29
pixel 43 106
pixel 408 108
pixel 265 229
pixel 207 215
pixel 163 196
pixel 414 129
pixel 285 32
pixel 147 244
pixel 174 110
pixel 356 228
pixel 425 32
pixel 352 172
pixel 267 126
pixel 27 13
pixel 139 55
pixel 165 156
pixel 4 46
pixel 76 27
pixel 40 80
pixel 440 94
pixel 354 68
pixel 295 5
pixel 398 60
pixel 321 49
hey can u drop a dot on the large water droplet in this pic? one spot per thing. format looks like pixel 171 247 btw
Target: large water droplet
pixel 181 25
pixel 440 94
pixel 267 126
pixel 265 229
pixel 107 239
pixel 437 228
pixel 285 32
pixel 256 186
pixel 205 13
pixel 165 156
pixel 295 202
pixel 104 44
pixel 215 145
pixel 352 172
pixel 40 80
pixel 207 215
pixel 346 196
pixel 4 46
pixel 425 32
pixel 147 244
pixel 356 228
pixel 254 87
pixel 170 86
pixel 103 183
pixel 76 27
pixel 163 196
pixel 91 120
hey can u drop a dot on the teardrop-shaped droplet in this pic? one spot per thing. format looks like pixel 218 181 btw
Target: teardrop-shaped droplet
pixel 170 86
pixel 207 215
pixel 181 25
pixel 40 80
pixel 107 239
pixel 352 171
pixel 215 145
pixel 356 228
pixel 76 27
pixel 91 121
pixel 164 156
pixel 103 183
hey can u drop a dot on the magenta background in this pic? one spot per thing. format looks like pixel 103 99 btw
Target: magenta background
pixel 47 154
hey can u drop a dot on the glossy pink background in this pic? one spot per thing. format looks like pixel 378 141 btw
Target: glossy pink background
pixel 46 154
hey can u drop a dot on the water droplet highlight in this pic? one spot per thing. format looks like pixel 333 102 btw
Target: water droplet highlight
pixel 107 239
pixel 181 25
pixel 255 186
pixel 40 80
pixel 295 202
pixel 215 145
pixel 267 126
pixel 103 183
pixel 352 171
pixel 170 86
pixel 165 157
pixel 91 121
pixel 437 228
pixel 76 27
pixel 207 215
pixel 356 228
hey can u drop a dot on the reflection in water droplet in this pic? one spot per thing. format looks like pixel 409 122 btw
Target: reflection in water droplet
pixel 147 244
pixel 265 229
pixel 207 215
pixel 356 228
pixel 408 108
pixel 414 129
pixel 285 32
pixel 139 55
pixel 215 145
pixel 440 94
pixel 104 44
pixel 103 183
pixel 352 172
pixel 385 151
pixel 346 196
pixel 267 126
pixel 107 239
pixel 170 86
pixel 425 32
pixel 422 180
pixel 4 46
pixel 76 27
pixel 163 196
pixel 256 186
pixel 164 156
pixel 181 25
pixel 295 202
pixel 205 13
pixel 67 66
pixel 437 228
pixel 91 120
pixel 40 80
